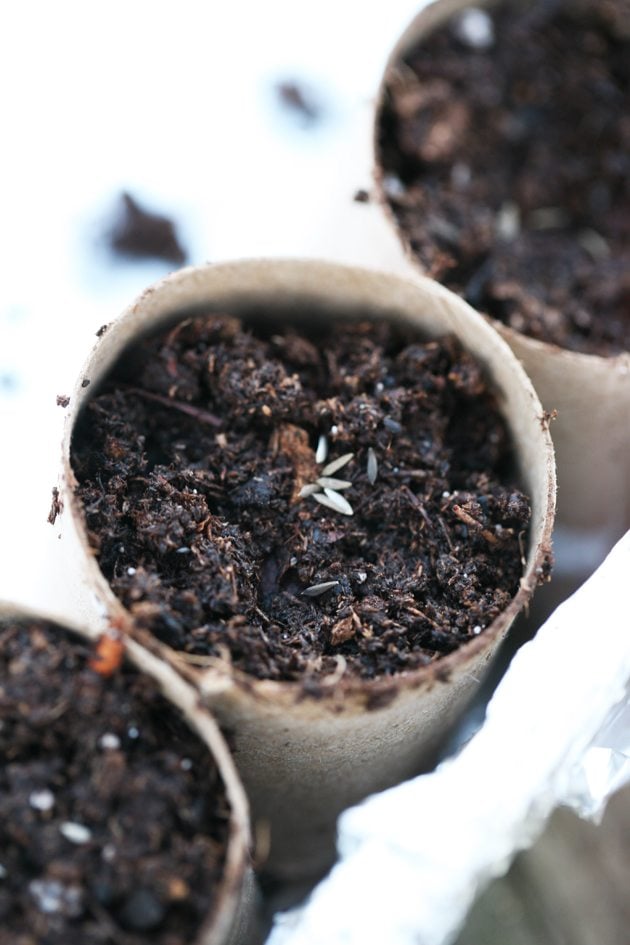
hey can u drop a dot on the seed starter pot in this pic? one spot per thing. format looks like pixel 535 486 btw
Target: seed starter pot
pixel 55 890
pixel 589 391
pixel 305 757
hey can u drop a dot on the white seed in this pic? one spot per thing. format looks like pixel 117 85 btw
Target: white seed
pixel 334 430
pixel 75 833
pixel 133 732
pixel 42 800
pixel 361 576
pixel 322 450
pixel 109 741
pixel 372 466
pixel 326 482
pixel 186 764
pixel 336 464
pixel 477 630
pixel 131 571
pixel 309 489
pixel 316 589
pixel 334 501
pixel 182 551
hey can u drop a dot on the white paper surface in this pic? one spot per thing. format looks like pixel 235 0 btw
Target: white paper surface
pixel 556 731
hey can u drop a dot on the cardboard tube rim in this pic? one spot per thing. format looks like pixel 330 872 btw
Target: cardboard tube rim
pixel 428 19
pixel 349 695
pixel 216 926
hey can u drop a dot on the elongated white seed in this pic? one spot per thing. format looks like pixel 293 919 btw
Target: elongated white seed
pixel 333 500
pixel 341 504
pixel 322 450
pixel 316 589
pixel 372 466
pixel 327 482
pixel 336 464
pixel 309 489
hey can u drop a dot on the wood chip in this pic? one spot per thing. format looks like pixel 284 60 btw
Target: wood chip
pixel 316 589
pixel 343 630
pixel 337 464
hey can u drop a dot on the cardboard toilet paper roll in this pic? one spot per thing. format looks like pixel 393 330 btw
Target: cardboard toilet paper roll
pixel 230 917
pixel 304 758
pixel 590 393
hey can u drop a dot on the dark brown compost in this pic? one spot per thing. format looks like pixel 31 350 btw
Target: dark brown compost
pixel 505 148
pixel 113 820
pixel 203 463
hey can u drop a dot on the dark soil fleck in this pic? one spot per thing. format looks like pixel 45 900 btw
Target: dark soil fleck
pixel 56 506
pixel 297 98
pixel 507 165
pixel 113 821
pixel 62 400
pixel 202 531
pixel 141 234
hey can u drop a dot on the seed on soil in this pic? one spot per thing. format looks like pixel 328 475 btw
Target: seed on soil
pixel 337 464
pixel 327 482
pixel 333 500
pixel 372 466
pixel 322 450
pixel 315 590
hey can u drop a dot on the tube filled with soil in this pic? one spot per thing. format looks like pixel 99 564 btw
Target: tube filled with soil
pixel 503 161
pixel 323 493
pixel 122 816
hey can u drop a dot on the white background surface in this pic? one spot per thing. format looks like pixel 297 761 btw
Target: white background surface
pixel 176 104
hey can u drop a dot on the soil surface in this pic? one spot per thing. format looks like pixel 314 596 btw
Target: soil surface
pixel 113 822
pixel 198 468
pixel 505 144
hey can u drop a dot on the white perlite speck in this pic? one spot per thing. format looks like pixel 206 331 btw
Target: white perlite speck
pixel 475 28
pixel 43 800
pixel 51 896
pixel 75 833
pixel 109 741
pixel 372 466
